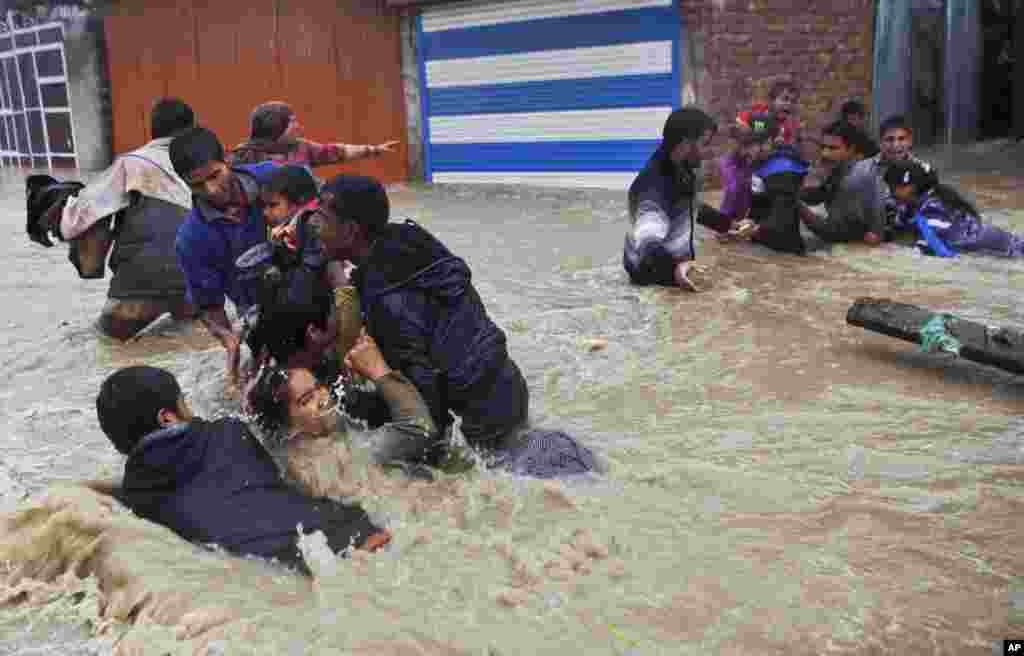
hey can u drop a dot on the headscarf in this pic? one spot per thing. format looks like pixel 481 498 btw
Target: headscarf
pixel 267 125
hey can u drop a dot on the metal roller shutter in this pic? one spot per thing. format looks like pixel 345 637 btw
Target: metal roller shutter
pixel 546 92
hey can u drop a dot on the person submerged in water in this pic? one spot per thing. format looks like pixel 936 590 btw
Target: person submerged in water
pixel 289 402
pixel 659 246
pixel 213 482
pixel 302 335
pixel 943 221
pixel 419 303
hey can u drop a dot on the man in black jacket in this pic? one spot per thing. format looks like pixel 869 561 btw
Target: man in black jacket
pixel 213 482
pixel 420 305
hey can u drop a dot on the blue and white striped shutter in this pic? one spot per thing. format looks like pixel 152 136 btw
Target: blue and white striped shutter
pixel 546 92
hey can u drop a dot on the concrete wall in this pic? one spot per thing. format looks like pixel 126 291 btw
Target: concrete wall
pixel 411 92
pixel 89 91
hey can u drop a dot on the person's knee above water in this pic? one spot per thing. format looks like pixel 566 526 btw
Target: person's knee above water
pixel 213 483
pixel 275 133
pixel 135 206
pixel 420 305
pixel 945 223
pixel 663 204
pixel 227 220
pixel 851 194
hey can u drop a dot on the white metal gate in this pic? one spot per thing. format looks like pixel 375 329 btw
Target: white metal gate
pixel 35 108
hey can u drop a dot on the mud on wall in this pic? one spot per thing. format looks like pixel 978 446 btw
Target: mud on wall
pixel 88 91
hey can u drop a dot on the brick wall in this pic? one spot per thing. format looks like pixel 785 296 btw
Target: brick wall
pixel 746 45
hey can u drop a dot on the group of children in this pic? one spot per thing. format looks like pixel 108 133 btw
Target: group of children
pixel 871 192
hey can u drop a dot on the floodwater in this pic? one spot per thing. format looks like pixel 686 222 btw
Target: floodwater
pixel 779 482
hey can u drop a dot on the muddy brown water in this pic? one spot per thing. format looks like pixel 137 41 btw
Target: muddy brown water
pixel 780 482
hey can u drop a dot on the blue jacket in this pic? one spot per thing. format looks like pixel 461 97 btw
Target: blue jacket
pixel 421 307
pixel 207 246
pixel 214 483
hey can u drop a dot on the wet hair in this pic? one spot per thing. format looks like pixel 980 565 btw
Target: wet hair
pixel 686 124
pixel 269 121
pixel 193 149
pixel 269 399
pixel 293 182
pixel 288 305
pixel 782 85
pixel 896 122
pixel 129 401
pixel 169 116
pixel 924 181
pixel 852 107
pixel 862 142
pixel 848 133
pixel 357 198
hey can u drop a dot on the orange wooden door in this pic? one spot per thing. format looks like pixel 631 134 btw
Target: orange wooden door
pixel 336 62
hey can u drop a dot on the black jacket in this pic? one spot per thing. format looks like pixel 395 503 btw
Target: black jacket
pixel 421 307
pixel 214 483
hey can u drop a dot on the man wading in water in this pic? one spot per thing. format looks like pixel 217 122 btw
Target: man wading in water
pixel 662 205
pixel 149 202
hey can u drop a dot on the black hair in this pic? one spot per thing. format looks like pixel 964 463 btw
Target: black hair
pixel 269 399
pixel 851 107
pixel 924 181
pixel 357 198
pixel 170 116
pixel 848 133
pixel 288 305
pixel 129 401
pixel 896 122
pixel 294 182
pixel 269 121
pixel 783 85
pixel 193 149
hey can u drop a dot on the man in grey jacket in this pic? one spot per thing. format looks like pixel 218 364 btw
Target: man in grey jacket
pixel 852 194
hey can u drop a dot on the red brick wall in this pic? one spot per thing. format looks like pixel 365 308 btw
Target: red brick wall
pixel 825 47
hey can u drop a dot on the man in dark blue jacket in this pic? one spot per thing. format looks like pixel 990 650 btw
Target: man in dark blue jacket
pixel 213 483
pixel 226 221
pixel 420 305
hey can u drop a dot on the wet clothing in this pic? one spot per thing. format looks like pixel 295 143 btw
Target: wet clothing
pixel 775 205
pixel 313 464
pixel 853 200
pixel 736 174
pixel 960 232
pixel 150 201
pixel 209 243
pixel 662 205
pixel 295 151
pixel 540 453
pixel 895 218
pixel 215 483
pixel 147 171
pixel 420 306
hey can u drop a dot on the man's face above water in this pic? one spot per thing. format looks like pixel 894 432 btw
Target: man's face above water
pixel 835 150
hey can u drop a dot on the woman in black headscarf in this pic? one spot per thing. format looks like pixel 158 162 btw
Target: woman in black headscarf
pixel 276 134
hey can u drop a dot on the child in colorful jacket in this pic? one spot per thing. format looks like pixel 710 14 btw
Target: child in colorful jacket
pixel 946 224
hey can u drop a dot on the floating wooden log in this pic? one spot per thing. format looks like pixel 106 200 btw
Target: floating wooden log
pixel 999 347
